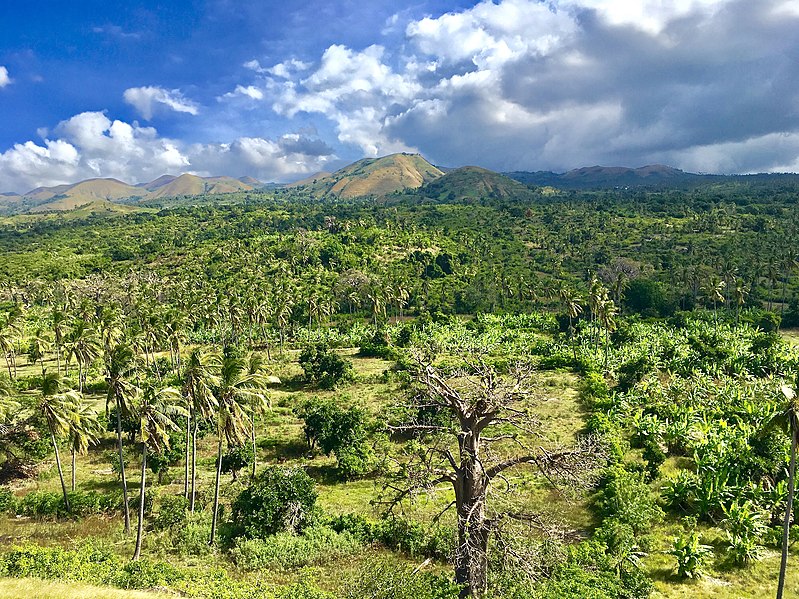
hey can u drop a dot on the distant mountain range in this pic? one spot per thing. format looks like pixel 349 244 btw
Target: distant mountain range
pixel 108 193
pixel 371 177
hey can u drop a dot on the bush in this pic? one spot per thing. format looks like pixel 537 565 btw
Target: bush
pixel 324 367
pixel 43 505
pixel 278 499
pixel 172 511
pixel 690 553
pixel 338 431
pixel 236 458
pixel 628 499
pixel 316 545
pixel 387 579
pixel 399 534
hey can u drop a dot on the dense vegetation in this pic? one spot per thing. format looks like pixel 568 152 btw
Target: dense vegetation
pixel 595 383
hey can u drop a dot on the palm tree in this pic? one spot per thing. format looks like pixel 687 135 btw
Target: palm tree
pixel 156 411
pixel 236 388
pixel 82 343
pixel 788 420
pixel 83 431
pixel 199 380
pixel 120 369
pixel 38 348
pixel 57 405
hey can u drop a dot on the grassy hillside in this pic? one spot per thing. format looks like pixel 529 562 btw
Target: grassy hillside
pixel 374 177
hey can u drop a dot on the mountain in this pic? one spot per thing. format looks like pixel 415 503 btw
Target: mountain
pixel 602 177
pixel 374 177
pixel 192 185
pixel 474 183
pixel 96 191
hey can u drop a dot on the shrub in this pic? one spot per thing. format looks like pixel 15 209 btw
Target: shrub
pixel 338 431
pixel 387 579
pixel 171 512
pixel 690 553
pixel 627 498
pixel 316 545
pixel 236 458
pixel 324 367
pixel 744 528
pixel 278 499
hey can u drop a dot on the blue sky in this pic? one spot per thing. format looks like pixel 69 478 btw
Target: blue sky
pixel 279 90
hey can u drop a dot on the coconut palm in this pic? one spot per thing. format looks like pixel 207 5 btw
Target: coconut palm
pixel 199 380
pixel 156 412
pixel 57 404
pixel 39 346
pixel 83 345
pixel 83 429
pixel 236 389
pixel 121 368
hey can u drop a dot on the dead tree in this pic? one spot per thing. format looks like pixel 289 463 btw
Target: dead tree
pixel 490 417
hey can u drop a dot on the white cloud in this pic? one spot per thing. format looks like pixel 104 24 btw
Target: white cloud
pixel 250 91
pixel 527 84
pixel 4 78
pixel 147 100
pixel 92 145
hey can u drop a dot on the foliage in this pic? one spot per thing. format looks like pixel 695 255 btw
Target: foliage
pixel 691 555
pixel 386 579
pixel 284 550
pixel 324 367
pixel 278 499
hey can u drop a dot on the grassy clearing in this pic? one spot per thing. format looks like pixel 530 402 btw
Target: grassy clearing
pixel 32 588
pixel 280 440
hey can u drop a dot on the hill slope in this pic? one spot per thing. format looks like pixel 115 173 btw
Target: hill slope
pixel 474 183
pixel 97 191
pixel 374 177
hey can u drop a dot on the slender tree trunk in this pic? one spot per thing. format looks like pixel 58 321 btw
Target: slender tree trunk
pixel 216 491
pixel 254 448
pixel 140 525
pixel 73 469
pixel 125 506
pixel 60 471
pixel 786 527
pixel 193 466
pixel 188 456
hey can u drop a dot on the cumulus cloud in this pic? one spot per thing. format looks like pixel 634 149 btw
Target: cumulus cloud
pixel 147 100
pixel 525 84
pixel 249 91
pixel 92 145
pixel 4 78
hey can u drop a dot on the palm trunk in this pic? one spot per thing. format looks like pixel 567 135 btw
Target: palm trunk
pixel 254 449
pixel 140 526
pixel 125 506
pixel 188 456
pixel 786 527
pixel 216 491
pixel 193 466
pixel 60 471
pixel 73 469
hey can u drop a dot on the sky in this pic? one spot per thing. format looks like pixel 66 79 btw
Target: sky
pixel 279 90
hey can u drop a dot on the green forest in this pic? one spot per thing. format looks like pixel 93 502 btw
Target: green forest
pixel 554 394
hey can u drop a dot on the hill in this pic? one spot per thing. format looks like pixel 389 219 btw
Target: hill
pixel 602 177
pixel 373 177
pixel 474 183
pixel 92 191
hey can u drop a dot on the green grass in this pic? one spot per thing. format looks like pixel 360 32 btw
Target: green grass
pixel 32 588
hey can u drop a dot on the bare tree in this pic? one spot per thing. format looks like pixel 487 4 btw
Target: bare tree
pixel 483 427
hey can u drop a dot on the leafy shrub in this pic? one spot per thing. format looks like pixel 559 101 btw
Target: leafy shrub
pixel 690 553
pixel 278 499
pixel 627 498
pixel 236 458
pixel 340 431
pixel 744 529
pixel 44 505
pixel 172 511
pixel 8 502
pixel 324 367
pixel 387 579
pixel 398 534
pixel 316 545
